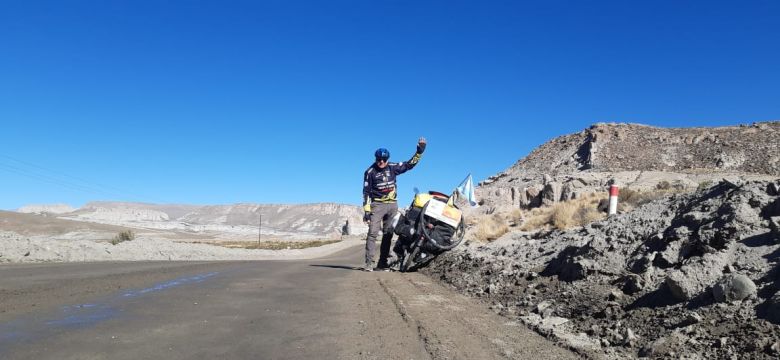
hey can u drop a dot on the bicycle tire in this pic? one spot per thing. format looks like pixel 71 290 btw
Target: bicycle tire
pixel 460 231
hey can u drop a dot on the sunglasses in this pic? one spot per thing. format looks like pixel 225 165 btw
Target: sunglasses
pixel 381 160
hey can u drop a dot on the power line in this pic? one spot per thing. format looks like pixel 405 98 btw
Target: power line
pixel 53 177
pixel 43 178
pixel 113 189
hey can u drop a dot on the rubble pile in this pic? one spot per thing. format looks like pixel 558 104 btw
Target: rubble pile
pixel 688 276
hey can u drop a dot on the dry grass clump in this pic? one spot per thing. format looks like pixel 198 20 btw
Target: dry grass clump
pixel 516 217
pixel 490 227
pixel 663 185
pixel 565 215
pixel 572 214
pixel 123 236
pixel 628 199
pixel 632 197
pixel 536 219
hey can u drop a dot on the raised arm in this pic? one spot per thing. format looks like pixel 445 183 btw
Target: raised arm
pixel 409 165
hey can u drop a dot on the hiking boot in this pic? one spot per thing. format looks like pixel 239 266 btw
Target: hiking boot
pixel 396 266
pixel 368 268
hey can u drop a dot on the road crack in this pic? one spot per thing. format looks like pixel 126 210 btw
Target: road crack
pixel 423 335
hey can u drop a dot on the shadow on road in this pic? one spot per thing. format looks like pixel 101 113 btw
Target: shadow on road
pixel 343 267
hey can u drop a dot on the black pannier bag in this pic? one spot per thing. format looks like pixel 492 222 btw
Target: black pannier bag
pixel 423 237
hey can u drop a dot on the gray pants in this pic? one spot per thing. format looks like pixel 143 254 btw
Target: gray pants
pixel 381 218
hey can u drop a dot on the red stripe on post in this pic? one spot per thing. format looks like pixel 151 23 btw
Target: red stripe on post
pixel 613 190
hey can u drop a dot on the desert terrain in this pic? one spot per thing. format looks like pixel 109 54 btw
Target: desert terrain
pixel 686 269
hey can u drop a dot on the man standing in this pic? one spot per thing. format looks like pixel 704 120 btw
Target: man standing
pixel 379 201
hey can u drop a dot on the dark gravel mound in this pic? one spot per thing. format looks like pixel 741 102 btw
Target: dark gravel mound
pixel 690 276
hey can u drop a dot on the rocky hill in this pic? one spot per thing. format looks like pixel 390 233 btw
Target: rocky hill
pixel 692 274
pixel 639 156
pixel 225 221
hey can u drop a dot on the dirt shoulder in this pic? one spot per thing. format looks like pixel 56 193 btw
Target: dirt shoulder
pixel 407 315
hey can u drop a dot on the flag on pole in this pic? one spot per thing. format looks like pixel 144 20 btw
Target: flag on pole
pixel 466 188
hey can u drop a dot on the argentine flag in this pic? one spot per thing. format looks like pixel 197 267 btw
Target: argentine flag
pixel 466 188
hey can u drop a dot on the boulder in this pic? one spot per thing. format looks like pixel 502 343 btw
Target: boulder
pixel 773 308
pixel 733 287
pixel 346 229
pixel 523 200
pixel 629 337
pixel 533 196
pixel 774 226
pixel 568 192
pixel 546 179
pixel 670 256
pixel 551 193
pixel 694 278
pixel 773 189
pixel 632 284
pixel 773 209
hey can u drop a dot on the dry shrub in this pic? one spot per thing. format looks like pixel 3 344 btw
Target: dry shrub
pixel 565 215
pixel 123 236
pixel 663 185
pixel 587 215
pixel 490 227
pixel 629 199
pixel 537 218
pixel 629 196
pixel 516 217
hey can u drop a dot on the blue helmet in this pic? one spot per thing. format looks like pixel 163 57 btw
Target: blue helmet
pixel 382 153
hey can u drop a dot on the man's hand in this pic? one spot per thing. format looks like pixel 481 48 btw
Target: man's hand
pixel 366 217
pixel 421 145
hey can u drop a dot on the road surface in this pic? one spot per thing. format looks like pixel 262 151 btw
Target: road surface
pixel 312 309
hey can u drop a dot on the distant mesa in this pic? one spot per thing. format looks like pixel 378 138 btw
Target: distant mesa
pixel 46 209
pixel 235 220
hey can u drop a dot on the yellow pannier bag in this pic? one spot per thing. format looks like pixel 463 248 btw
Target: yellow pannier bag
pixel 421 199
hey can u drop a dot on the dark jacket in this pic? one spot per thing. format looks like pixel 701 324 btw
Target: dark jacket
pixel 379 184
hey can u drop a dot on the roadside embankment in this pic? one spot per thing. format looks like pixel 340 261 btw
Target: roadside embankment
pixel 687 276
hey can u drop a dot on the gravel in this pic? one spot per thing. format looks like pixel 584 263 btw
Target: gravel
pixel 688 276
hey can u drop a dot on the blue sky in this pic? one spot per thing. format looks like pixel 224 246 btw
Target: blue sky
pixel 215 102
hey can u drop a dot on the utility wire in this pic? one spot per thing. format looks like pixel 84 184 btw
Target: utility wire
pixel 112 189
pixel 49 176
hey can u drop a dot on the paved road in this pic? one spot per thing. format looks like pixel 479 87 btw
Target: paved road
pixel 313 309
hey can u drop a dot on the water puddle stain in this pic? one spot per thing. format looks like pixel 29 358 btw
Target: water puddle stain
pixel 83 315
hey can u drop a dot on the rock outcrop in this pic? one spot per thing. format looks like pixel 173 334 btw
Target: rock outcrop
pixel 638 156
pixel 692 274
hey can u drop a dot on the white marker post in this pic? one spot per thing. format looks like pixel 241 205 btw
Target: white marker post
pixel 613 199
